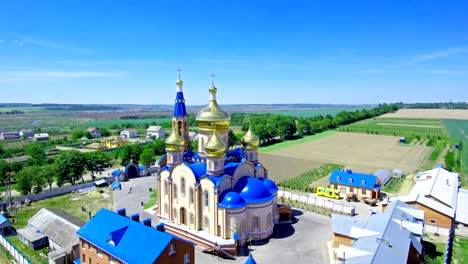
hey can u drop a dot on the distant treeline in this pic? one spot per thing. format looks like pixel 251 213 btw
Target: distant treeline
pixel 273 126
pixel 77 107
pixel 12 112
pixel 150 116
pixel 451 105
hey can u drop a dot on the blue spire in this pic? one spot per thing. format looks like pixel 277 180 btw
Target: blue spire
pixel 179 107
pixel 250 260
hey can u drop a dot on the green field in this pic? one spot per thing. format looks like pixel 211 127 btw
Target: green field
pixel 458 130
pixel 401 127
pixel 117 121
pixel 303 181
pixel 308 112
pixel 289 143
pixel 459 252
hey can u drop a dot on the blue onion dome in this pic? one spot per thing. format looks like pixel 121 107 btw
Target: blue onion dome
pixel 271 185
pixel 232 200
pixel 253 190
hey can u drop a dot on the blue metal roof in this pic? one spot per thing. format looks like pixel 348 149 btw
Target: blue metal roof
pixel 253 190
pixel 231 167
pixel 116 185
pixel 250 260
pixel 271 185
pixel 116 173
pixel 231 200
pixel 132 243
pixel 350 178
pixel 77 261
pixel 199 169
pixel 179 107
pixel 216 179
pixel 141 167
pixel 2 219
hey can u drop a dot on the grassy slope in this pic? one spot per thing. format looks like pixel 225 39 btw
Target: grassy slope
pixel 458 130
pixel 70 203
pixel 459 250
pixel 289 143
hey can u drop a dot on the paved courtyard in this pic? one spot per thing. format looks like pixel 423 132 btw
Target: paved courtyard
pixel 302 242
pixel 131 200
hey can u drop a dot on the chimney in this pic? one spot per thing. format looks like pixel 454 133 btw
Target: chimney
pixel 122 212
pixel 147 222
pixel 135 217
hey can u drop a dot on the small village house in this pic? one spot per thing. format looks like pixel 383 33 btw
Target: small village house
pixel 114 142
pixel 437 193
pixel 9 135
pixel 55 229
pixel 155 131
pixel 114 238
pixel 129 133
pixel 94 132
pixel 394 235
pixel 5 226
pixel 41 137
pixel 361 185
pixel 26 133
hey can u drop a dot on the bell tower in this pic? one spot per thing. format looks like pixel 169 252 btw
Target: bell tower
pixel 179 116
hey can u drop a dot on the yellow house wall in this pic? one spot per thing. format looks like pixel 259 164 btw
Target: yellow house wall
pixel 358 191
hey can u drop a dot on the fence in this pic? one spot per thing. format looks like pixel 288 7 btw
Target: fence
pixel 58 191
pixel 13 251
pixel 448 248
pixel 318 201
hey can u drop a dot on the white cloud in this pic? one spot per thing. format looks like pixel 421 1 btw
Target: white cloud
pixel 27 40
pixel 448 72
pixel 439 54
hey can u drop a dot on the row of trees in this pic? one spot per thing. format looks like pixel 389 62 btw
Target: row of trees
pixel 273 126
pixel 40 171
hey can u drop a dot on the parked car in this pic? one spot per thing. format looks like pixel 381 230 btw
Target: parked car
pixel 327 192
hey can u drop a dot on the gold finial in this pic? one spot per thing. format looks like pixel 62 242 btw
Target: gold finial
pixel 213 88
pixel 179 81
pixel 215 146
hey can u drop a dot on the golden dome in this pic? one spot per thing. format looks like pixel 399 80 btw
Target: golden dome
pixel 215 147
pixel 174 142
pixel 250 140
pixel 212 117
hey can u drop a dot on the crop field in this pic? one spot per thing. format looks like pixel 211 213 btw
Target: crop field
pixel 118 121
pixel 304 181
pixel 429 114
pixel 46 121
pixel 400 127
pixel 458 129
pixel 311 112
pixel 360 152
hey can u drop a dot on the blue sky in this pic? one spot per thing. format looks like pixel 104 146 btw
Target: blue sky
pixel 264 52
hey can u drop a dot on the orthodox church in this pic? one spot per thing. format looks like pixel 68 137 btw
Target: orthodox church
pixel 215 194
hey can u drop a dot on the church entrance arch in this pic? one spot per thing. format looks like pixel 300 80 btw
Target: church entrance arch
pixel 131 171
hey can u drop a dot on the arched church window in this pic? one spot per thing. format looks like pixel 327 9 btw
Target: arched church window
pixel 270 222
pixel 182 186
pixel 175 213
pixel 256 224
pixel 165 187
pixel 174 191
pixel 192 218
pixel 207 197
pixel 191 195
pixel 166 209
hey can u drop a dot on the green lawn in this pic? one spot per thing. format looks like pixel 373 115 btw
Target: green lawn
pixel 289 143
pixel 460 250
pixel 5 256
pixel 152 201
pixel 434 251
pixel 70 203
pixel 394 185
pixel 35 256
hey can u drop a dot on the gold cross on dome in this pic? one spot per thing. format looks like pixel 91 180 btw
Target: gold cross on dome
pixel 212 77
pixel 179 70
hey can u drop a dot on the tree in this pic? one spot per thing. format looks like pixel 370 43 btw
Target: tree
pixel 129 153
pixel 2 151
pixel 105 132
pixel 70 167
pixel 49 174
pixel 4 169
pixel 36 152
pixel 25 180
pixel 194 146
pixel 78 134
pixel 232 139
pixel 96 160
pixel 147 157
